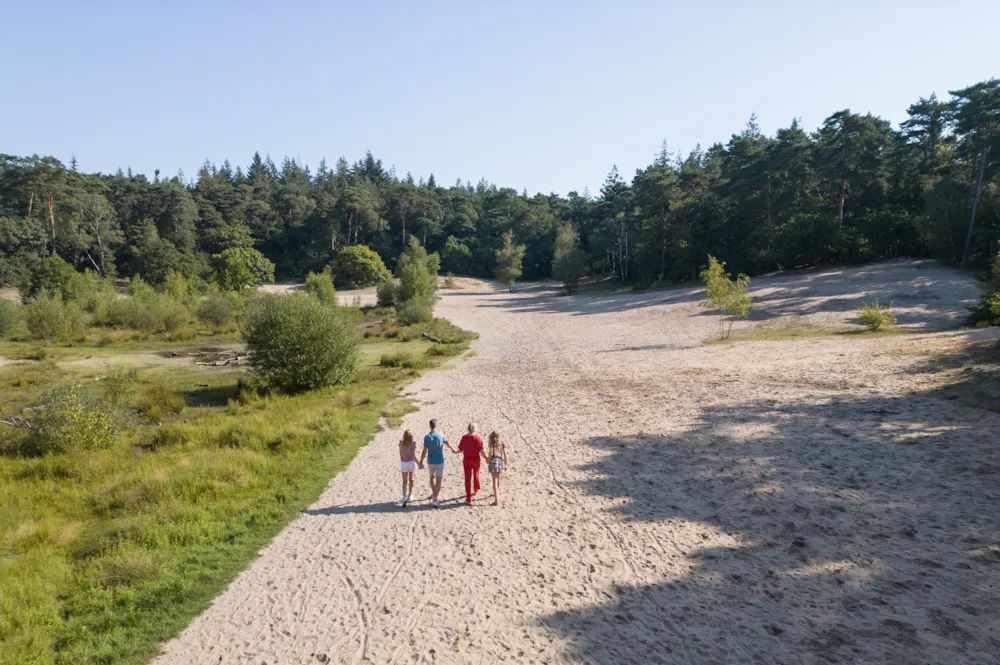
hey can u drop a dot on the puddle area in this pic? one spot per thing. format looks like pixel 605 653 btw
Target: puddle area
pixel 207 355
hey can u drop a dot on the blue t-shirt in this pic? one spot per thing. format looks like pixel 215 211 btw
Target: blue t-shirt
pixel 434 443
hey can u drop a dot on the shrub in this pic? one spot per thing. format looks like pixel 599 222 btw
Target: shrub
pixel 216 310
pixel 297 343
pixel 569 263
pixel 417 272
pixel 449 282
pixel 386 293
pixel 358 266
pixel 416 310
pixel 89 290
pixel 993 307
pixel 875 316
pixel 723 294
pixel 50 274
pixel 11 315
pixel 70 421
pixel 49 318
pixel 320 286
pixel 509 261
pixel 146 309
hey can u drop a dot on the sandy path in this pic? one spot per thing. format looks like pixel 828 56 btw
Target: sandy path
pixel 668 501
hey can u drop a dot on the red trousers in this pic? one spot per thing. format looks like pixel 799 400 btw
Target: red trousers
pixel 471 467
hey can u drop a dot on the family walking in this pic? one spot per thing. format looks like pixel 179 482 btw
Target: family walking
pixel 472 451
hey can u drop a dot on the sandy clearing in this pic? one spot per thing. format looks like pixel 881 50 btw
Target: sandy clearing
pixel 668 501
pixel 346 297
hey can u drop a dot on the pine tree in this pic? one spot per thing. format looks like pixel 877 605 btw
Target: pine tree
pixel 510 258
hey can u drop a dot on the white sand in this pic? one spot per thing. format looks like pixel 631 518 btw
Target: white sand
pixel 668 501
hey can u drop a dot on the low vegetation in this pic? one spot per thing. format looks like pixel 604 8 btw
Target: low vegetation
pixel 130 495
pixel 876 317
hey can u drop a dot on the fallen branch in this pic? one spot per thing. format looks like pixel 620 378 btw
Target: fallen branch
pixel 15 421
pixel 436 341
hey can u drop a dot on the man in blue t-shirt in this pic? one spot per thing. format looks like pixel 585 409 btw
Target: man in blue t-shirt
pixel 434 444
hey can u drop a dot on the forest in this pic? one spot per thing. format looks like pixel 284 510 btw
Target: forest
pixel 855 189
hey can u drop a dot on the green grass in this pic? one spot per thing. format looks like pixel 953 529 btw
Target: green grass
pixel 106 553
pixel 796 327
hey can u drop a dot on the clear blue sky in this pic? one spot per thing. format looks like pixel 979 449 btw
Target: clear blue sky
pixel 542 95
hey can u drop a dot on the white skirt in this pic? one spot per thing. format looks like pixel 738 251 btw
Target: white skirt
pixel 407 467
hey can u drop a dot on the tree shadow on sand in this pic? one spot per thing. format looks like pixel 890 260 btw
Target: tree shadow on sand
pixel 814 291
pixel 855 529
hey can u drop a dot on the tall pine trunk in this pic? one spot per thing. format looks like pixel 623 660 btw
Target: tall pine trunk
pixel 843 195
pixel 52 221
pixel 975 204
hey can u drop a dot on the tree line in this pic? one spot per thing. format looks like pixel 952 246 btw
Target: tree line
pixel 855 189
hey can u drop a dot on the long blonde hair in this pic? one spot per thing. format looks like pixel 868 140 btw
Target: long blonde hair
pixel 407 441
pixel 496 448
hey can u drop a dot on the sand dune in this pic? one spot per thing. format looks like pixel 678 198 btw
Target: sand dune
pixel 668 501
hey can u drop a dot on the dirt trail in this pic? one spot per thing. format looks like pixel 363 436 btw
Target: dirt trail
pixel 668 501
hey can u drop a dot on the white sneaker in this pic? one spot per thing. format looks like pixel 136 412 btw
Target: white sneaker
pixel 435 503
pixel 408 498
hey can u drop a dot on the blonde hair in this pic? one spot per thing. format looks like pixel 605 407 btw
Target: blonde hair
pixel 496 448
pixel 407 439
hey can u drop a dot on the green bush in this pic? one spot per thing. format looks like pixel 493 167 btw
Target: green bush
pixel 297 343
pixel 875 316
pixel 68 420
pixel 50 274
pixel 416 310
pixel 386 293
pixel 146 309
pixel 88 289
pixel 993 307
pixel 216 310
pixel 11 315
pixel 417 272
pixel 729 298
pixel 48 317
pixel 358 266
pixel 320 286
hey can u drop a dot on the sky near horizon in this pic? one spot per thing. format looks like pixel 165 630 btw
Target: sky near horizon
pixel 545 96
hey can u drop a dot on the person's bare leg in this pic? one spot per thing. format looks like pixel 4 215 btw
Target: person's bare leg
pixel 409 478
pixel 404 486
pixel 496 488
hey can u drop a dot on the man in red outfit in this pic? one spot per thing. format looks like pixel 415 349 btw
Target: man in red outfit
pixel 471 447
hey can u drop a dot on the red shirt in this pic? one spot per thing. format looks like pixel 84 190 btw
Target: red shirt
pixel 471 445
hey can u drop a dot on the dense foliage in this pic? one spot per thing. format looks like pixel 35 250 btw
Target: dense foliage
pixel 855 189
pixel 358 266
pixel 298 343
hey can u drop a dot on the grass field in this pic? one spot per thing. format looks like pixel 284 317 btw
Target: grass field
pixel 104 553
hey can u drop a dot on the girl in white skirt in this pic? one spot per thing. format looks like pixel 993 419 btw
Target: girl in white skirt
pixel 407 464
pixel 497 455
